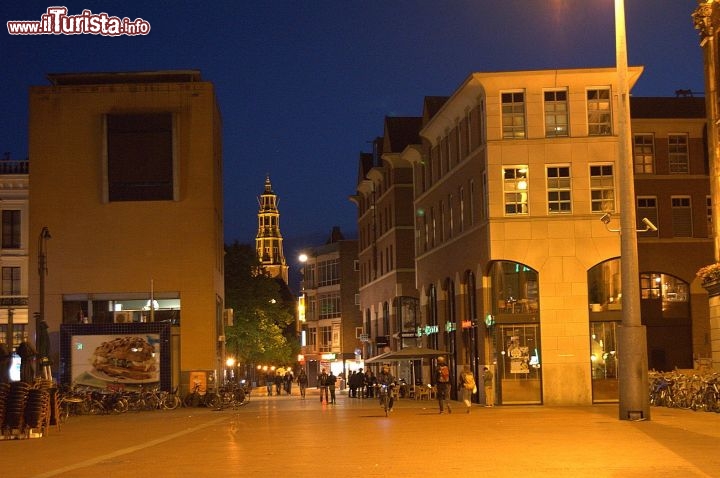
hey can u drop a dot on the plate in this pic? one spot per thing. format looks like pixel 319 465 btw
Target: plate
pixel 109 378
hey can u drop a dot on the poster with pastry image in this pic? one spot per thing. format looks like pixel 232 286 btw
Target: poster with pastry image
pixel 98 360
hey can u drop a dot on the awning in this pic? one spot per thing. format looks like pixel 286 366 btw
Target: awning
pixel 408 353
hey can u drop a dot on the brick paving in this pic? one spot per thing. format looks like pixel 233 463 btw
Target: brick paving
pixel 287 436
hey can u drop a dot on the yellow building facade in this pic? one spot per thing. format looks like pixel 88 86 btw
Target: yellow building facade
pixel 126 183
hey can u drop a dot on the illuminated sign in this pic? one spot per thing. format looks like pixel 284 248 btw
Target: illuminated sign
pixel 466 324
pixel 328 356
pixel 449 326
pixel 427 330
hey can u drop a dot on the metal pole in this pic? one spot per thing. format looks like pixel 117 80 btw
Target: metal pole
pixel 632 341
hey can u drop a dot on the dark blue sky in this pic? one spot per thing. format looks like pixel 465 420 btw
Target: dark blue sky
pixel 304 85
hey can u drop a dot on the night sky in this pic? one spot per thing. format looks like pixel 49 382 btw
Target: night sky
pixel 304 85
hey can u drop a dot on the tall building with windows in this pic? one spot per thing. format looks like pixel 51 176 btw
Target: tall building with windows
pixel 388 297
pixel 330 324
pixel 516 231
pixel 126 214
pixel 269 241
pixel 707 21
pixel 14 316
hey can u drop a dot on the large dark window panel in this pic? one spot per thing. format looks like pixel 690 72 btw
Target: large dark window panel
pixel 140 157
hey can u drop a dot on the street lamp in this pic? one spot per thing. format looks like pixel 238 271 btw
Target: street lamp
pixel 42 271
pixel 632 340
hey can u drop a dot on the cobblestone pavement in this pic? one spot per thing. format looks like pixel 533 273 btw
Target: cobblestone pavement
pixel 287 436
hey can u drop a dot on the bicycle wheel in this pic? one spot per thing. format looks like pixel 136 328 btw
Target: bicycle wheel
pixel 171 402
pixel 212 400
pixel 96 408
pixel 192 400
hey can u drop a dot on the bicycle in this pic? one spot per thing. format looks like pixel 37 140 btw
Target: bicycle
pixel 196 399
pixel 384 392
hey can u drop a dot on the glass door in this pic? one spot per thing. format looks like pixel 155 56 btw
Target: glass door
pixel 519 366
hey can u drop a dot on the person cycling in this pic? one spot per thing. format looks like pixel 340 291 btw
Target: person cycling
pixel 386 378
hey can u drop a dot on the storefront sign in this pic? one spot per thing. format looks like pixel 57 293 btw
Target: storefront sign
pixel 427 330
pixel 328 356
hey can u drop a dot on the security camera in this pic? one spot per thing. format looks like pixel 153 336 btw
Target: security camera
pixel 649 226
pixel 606 218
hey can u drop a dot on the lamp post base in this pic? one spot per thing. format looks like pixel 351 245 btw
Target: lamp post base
pixel 633 373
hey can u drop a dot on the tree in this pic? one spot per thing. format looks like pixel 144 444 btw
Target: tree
pixel 262 313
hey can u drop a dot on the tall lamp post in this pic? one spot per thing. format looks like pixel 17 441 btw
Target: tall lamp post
pixel 632 340
pixel 42 269
pixel 41 338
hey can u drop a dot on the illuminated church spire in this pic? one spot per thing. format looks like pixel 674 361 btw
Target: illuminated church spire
pixel 268 242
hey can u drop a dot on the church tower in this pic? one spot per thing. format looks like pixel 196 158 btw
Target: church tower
pixel 269 243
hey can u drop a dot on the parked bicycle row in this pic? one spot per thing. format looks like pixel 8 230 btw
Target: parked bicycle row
pixel 699 391
pixel 80 400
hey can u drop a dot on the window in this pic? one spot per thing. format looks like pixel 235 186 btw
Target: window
pixel 462 209
pixel 602 189
pixel 515 186
pixel 433 225
pixel 329 306
pixel 312 338
pixel 647 207
pixel 10 229
pixel 678 160
pixel 598 106
pixel 11 281
pixel 650 286
pixel 558 190
pixel 681 216
pixel 140 157
pixel 556 113
pixel 513 115
pixel 325 336
pixel 328 272
pixel 643 153
pixel 451 213
pixel 708 212
pixel 472 201
pixel 441 210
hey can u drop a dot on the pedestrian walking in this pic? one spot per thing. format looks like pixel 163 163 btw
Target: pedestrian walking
pixel 288 381
pixel 488 386
pixel 442 382
pixel 323 385
pixel 302 381
pixel 331 381
pixel 269 381
pixel 370 382
pixel 468 387
pixel 278 381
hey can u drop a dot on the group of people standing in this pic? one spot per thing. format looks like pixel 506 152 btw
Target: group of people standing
pixel 361 384
pixel 326 383
pixel 280 380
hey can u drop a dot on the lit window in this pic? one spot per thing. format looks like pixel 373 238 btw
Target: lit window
pixel 515 187
pixel 599 117
pixel 556 113
pixel 513 115
pixel 643 153
pixel 558 190
pixel 602 189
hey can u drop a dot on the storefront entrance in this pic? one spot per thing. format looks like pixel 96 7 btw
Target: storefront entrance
pixel 519 377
